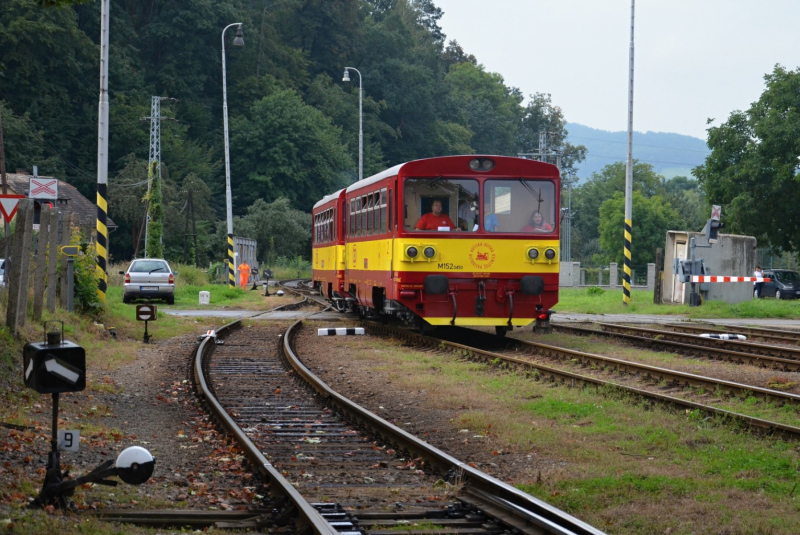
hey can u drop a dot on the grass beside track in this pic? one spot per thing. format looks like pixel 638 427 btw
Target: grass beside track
pixel 611 459
pixel 603 301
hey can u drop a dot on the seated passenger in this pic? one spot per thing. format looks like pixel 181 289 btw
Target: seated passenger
pixel 435 219
pixel 490 222
pixel 537 224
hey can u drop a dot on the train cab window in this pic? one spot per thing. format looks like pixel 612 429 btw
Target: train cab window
pixel 519 205
pixel 389 214
pixel 441 204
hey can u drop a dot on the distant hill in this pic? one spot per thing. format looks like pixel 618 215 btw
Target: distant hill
pixel 670 154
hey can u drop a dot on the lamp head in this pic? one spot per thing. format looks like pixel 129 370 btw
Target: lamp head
pixel 239 39
pixel 346 77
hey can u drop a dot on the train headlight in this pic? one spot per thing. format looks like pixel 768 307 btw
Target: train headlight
pixel 429 252
pixel 550 254
pixel 481 164
pixel 533 253
pixel 412 252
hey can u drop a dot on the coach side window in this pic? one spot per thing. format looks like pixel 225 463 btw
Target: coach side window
pixel 358 217
pixel 383 210
pixel 370 212
pixel 352 230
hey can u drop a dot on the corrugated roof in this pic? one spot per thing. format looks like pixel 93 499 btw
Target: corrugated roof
pixel 69 200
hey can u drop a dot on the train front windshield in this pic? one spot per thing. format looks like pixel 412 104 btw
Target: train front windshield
pixel 514 205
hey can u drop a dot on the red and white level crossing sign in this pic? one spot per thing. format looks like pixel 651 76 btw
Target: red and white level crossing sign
pixel 8 205
pixel 708 278
pixel 43 188
pixel 716 212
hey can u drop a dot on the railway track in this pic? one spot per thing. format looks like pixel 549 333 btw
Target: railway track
pixel 660 385
pixel 333 466
pixel 779 358
pixel 765 335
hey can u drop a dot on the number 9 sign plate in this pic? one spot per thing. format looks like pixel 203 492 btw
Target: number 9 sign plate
pixel 68 440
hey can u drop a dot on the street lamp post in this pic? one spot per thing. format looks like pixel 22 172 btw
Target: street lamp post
pixel 238 41
pixel 346 78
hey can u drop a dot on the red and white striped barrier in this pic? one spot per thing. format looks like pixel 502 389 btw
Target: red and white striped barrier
pixel 708 278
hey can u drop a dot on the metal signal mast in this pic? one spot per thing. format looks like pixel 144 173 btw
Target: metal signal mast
pixel 154 164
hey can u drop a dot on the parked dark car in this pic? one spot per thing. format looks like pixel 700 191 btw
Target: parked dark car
pixel 149 278
pixel 784 284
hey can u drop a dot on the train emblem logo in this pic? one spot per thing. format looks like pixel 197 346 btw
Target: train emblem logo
pixel 482 255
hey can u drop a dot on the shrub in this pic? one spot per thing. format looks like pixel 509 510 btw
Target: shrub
pixel 190 275
pixel 596 290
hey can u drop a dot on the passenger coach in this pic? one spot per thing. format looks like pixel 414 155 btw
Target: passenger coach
pixel 458 240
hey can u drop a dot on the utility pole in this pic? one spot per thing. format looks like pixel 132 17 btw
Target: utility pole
pixel 154 173
pixel 6 226
pixel 102 156
pixel 628 224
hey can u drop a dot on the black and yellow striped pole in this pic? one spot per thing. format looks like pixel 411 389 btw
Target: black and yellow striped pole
pixel 102 158
pixel 102 240
pixel 626 276
pixel 231 266
pixel 626 272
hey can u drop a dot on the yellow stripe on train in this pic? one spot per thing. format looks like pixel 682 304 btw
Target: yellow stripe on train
pixel 478 255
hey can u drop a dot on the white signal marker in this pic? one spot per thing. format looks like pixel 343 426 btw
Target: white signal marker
pixel 62 370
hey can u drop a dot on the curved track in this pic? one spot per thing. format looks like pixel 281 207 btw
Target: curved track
pixel 325 445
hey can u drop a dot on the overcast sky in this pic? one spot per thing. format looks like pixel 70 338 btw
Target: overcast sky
pixel 694 59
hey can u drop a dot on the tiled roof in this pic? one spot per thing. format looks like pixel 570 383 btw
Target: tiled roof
pixel 70 199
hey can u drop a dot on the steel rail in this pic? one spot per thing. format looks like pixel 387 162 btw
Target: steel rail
pixel 659 374
pixel 691 350
pixel 767 350
pixel 555 375
pixel 766 335
pixel 524 513
pixel 307 516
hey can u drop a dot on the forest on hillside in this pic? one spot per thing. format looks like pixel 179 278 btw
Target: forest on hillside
pixel 293 121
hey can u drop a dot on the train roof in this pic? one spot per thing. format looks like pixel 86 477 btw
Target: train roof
pixel 393 171
pixel 329 198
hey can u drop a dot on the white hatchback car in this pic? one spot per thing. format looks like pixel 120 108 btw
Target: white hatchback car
pixel 149 278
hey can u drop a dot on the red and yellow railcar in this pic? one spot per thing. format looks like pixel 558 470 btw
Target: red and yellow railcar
pixel 458 240
pixel 328 247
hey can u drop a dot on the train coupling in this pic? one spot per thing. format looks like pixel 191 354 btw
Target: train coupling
pixel 542 324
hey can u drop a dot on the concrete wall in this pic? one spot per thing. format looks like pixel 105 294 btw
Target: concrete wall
pixel 732 255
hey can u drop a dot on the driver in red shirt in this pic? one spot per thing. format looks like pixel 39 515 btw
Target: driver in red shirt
pixel 434 219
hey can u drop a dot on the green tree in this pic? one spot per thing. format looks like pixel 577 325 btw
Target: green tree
pixel 486 106
pixel 587 199
pixel 652 217
pixel 276 224
pixel 753 169
pixel 155 227
pixel 286 148
pixel 689 201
